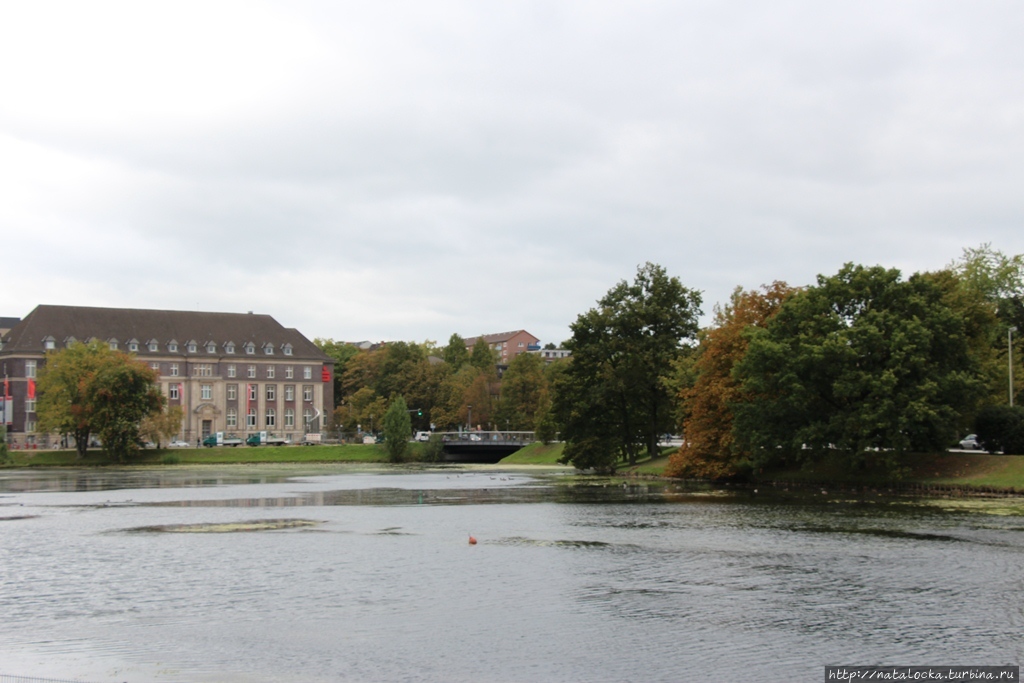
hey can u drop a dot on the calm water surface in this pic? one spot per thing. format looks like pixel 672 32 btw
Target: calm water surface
pixel 101 581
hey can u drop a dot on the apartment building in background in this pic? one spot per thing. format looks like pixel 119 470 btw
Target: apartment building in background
pixel 508 345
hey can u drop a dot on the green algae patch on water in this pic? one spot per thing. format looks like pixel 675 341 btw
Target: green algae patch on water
pixel 227 527
pixel 1003 507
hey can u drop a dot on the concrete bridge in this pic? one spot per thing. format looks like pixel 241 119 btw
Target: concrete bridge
pixel 483 447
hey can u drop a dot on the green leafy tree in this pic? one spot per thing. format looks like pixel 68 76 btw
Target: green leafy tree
pixel 89 389
pixel 433 449
pixel 397 429
pixel 455 353
pixel 5 455
pixel 612 400
pixel 162 424
pixel 862 361
pixel 524 392
pixel 123 393
pixel 341 352
pixel 483 356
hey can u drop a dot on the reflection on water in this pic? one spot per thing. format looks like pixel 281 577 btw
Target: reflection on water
pixel 570 580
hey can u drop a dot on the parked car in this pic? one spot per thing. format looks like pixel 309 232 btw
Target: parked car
pixel 970 443
pixel 178 444
pixel 422 436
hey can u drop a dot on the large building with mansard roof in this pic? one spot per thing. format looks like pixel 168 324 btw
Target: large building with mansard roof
pixel 238 373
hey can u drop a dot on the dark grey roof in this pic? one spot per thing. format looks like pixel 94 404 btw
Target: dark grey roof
pixel 124 324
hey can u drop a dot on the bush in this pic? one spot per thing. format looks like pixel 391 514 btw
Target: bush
pixel 1001 428
pixel 433 449
pixel 170 459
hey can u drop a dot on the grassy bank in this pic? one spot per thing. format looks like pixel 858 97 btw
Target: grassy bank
pixel 927 469
pixel 974 470
pixel 211 456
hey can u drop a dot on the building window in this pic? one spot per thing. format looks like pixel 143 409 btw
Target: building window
pixel 307 416
pixel 307 393
pixel 206 392
pixel 211 348
pixel 69 342
pixel 229 347
pixel 287 348
pixel 271 418
pixel 174 369
pixel 289 372
pixel 172 392
pixel 113 344
pixel 154 347
pixel 232 392
pixel 252 391
pixel 30 369
pixel 232 418
pixel 271 392
pixel 307 372
pixel 202 370
pixel 289 417
pixel 250 418
pixel 271 371
pixel 172 347
pixel 49 343
pixel 289 392
pixel 269 349
pixel 250 348
pixel 191 347
pixel 30 405
pixel 133 346
pixel 154 366
pixel 30 425
pixel 251 372
pixel 231 371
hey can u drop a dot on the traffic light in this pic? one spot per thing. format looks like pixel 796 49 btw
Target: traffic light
pixel 419 413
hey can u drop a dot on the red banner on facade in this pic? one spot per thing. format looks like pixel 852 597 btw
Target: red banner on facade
pixel 32 389
pixel 325 374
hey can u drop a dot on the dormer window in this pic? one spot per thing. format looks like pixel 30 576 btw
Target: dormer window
pixel 250 348
pixel 229 347
pixel 287 349
pixel 69 342
pixel 133 345
pixel 153 345
pixel 113 344
pixel 211 347
pixel 49 343
pixel 192 346
pixel 268 349
pixel 172 346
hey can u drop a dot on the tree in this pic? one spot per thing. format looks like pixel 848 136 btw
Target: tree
pixel 524 392
pixel 455 353
pixel 862 361
pixel 341 352
pixel 89 389
pixel 483 356
pixel 709 450
pixel 162 424
pixel 397 429
pixel 612 400
pixel 5 456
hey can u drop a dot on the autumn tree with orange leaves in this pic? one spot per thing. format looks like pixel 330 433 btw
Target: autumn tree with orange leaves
pixel 709 451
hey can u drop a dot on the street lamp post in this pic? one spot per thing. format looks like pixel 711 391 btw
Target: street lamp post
pixel 1009 357
pixel 470 418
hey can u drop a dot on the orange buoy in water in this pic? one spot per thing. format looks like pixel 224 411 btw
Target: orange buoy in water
pixel 472 540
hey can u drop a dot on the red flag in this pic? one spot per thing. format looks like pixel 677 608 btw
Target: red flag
pixel 32 389
pixel 7 389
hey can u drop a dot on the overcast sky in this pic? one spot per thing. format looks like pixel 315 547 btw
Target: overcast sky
pixel 405 170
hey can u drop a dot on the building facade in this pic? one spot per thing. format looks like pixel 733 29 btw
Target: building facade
pixel 508 345
pixel 239 373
